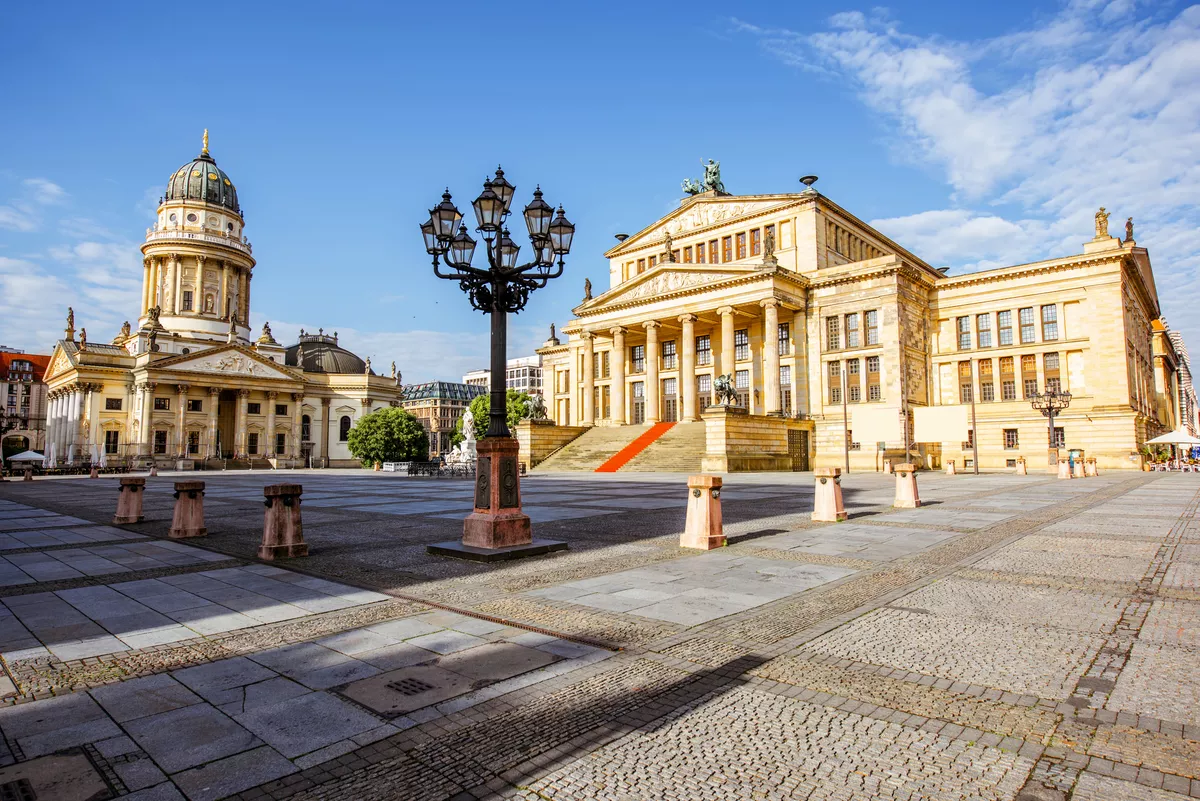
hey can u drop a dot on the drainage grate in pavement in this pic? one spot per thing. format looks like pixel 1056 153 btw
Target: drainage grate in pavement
pixel 406 686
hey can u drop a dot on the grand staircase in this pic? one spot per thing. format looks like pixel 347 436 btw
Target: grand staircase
pixel 677 448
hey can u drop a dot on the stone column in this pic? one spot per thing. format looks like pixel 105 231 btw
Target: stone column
pixel 92 416
pixel 771 356
pixel 325 430
pixel 239 438
pixel 652 355
pixel 271 396
pixel 225 278
pixel 728 353
pixel 589 379
pixel 214 399
pixel 297 415
pixel 177 278
pixel 618 375
pixel 181 423
pixel 156 271
pixel 198 287
pixel 51 419
pixel 687 369
pixel 130 417
pixel 800 363
pixel 147 283
pixel 147 436
pixel 244 297
pixel 572 387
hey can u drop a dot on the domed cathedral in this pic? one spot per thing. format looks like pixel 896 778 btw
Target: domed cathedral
pixel 191 383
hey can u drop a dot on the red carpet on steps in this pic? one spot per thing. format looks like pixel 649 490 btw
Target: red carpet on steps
pixel 622 457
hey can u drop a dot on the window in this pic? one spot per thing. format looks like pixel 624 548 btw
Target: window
pixel 704 384
pixel 833 333
pixel 741 245
pixel 854 394
pixel 280 443
pixel 852 367
pixel 741 379
pixel 1060 437
pixel 195 405
pixel 160 441
pixel 1005 321
pixel 756 242
pixel 1027 327
pixel 675 254
pixel 187 300
pixel 1010 439
pixel 785 339
pixel 344 428
pixel 1053 384
pixel 987 392
pixel 193 442
pixel 281 409
pixel 1049 323
pixel 253 408
pixel 111 441
pixel 687 255
pixel 741 344
pixel 964 333
pixel 110 404
pixel 1030 387
pixel 700 253
pixel 852 330
pixel 252 443
pixel 703 350
pixel 639 358
pixel 641 265
pixel 604 368
pixel 712 251
pixel 873 392
pixel 668 354
pixel 970 441
pixel 987 389
pixel 1050 362
pixel 835 382
pixel 872 327
pixel 162 404
pixel 727 248
pixel 785 386
pixel 983 330
pixel 1008 390
pixel 306 428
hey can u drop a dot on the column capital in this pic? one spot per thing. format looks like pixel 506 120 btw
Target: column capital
pixel 272 395
pixel 586 335
pixel 173 257
pixel 182 389
pixel 214 391
pixel 297 396
pixel 365 401
pixel 325 402
pixel 724 310
pixel 651 324
pixel 147 261
pixel 687 318
pixel 243 393
pixel 617 330
pixel 770 303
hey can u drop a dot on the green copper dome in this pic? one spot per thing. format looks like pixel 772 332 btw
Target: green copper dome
pixel 202 179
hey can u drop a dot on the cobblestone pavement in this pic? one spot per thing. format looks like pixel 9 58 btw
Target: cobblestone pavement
pixel 1017 638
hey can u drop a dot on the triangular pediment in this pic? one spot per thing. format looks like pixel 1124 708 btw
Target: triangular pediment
pixel 60 361
pixel 233 361
pixel 667 279
pixel 702 212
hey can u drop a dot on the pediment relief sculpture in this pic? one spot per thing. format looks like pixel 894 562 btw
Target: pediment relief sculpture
pixel 672 281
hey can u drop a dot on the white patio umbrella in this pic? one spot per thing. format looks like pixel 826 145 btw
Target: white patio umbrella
pixel 95 454
pixel 103 458
pixel 1179 437
pixel 27 456
pixel 52 460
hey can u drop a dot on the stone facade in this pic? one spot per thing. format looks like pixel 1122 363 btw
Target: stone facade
pixel 22 400
pixel 814 315
pixel 188 384
pixel 439 405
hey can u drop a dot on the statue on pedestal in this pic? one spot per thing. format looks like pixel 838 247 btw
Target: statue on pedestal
pixel 587 289
pixel 465 454
pixel 1102 224
pixel 1129 230
pixel 726 394
pixel 537 408
pixel 368 366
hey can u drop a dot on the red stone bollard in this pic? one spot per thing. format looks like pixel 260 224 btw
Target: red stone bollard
pixel 283 534
pixel 154 470
pixel 129 502
pixel 1022 468
pixel 950 471
pixel 906 487
pixel 189 510
pixel 703 529
pixel 1089 468
pixel 827 503
pixel 28 473
pixel 94 472
pixel 887 466
pixel 1077 469
pixel 1064 469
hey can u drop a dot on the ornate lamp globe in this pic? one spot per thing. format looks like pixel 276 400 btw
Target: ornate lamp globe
pixel 489 209
pixel 562 231
pixel 445 217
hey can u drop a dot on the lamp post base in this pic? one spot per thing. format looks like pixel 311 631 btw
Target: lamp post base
pixel 497 521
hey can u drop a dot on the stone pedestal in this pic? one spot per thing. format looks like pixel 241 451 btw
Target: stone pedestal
pixel 94 472
pixel 1022 468
pixel 827 503
pixel 906 487
pixel 887 466
pixel 1077 469
pixel 1052 460
pixel 497 529
pixel 129 501
pixel 1064 469
pixel 703 529
pixel 154 470
pixel 189 510
pixel 1089 468
pixel 28 474
pixel 283 533
pixel 950 471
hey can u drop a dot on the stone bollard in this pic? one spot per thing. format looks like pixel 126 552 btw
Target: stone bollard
pixel 28 474
pixel 703 529
pixel 827 504
pixel 189 510
pixel 950 471
pixel 1090 469
pixel 906 487
pixel 1077 469
pixel 154 470
pixel 283 534
pixel 887 466
pixel 94 472
pixel 1022 468
pixel 129 502
pixel 1064 469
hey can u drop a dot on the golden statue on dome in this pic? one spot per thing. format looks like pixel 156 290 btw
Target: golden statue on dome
pixel 204 149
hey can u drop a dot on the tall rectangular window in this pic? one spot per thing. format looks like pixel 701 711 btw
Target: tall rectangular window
pixel 641 265
pixel 833 333
pixel 687 255
pixel 966 384
pixel 727 248
pixel 193 442
pixel 983 330
pixel 756 242
pixel 604 366
pixel 639 358
pixel 1060 437
pixel 785 339
pixel 1049 323
pixel 872 327
pixel 1010 439
pixel 964 333
pixel 712 251
pixel 652 261
pixel 1004 319
pixel 280 443
pixel 703 350
pixel 668 354
pixel 110 404
pixel 187 300
pixel 112 439
pixel 741 245
pixel 1050 366
pixel 741 344
pixel 700 253
pixel 196 405
pixel 835 382
pixel 252 442
pixel 160 441
pixel 785 388
pixel 704 385
pixel 1027 326
pixel 852 339
pixel 987 387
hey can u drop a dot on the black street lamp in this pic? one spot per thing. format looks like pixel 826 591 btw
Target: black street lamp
pixel 497 523
pixel 1050 403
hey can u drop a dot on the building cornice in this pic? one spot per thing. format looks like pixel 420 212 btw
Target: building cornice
pixel 739 280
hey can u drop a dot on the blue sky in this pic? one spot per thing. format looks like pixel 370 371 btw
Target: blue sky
pixel 977 135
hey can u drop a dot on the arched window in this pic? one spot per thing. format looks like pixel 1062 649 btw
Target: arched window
pixel 344 429
pixel 306 428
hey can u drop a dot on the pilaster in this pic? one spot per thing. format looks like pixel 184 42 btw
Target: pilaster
pixel 589 378
pixel 771 356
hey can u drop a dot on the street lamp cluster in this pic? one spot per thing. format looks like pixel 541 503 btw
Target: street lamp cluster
pixel 1050 403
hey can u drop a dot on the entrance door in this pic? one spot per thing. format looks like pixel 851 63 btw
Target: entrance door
pixel 639 403
pixel 798 449
pixel 306 449
pixel 226 423
pixel 670 402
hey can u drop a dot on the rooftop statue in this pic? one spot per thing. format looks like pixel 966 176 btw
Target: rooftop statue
pixel 1101 224
pixel 709 183
pixel 587 289
pixel 1129 230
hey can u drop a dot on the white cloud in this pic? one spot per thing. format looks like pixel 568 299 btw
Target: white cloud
pixel 21 214
pixel 44 191
pixel 1095 106
pixel 17 218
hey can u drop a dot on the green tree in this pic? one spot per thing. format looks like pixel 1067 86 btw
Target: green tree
pixel 518 410
pixel 388 435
